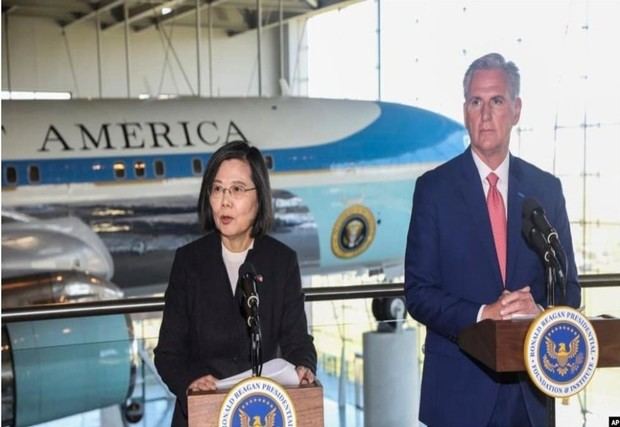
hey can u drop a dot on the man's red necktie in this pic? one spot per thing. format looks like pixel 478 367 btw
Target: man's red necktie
pixel 497 215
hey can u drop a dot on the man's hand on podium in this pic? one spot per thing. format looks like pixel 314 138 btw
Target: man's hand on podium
pixel 305 375
pixel 206 383
pixel 509 304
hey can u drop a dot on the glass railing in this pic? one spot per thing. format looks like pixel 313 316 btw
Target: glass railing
pixel 75 365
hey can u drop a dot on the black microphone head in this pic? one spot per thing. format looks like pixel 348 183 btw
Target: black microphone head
pixel 534 211
pixel 537 241
pixel 526 227
pixel 532 235
pixel 247 281
pixel 247 268
pixel 530 205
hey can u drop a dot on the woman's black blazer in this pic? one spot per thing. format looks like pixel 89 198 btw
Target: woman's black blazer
pixel 203 330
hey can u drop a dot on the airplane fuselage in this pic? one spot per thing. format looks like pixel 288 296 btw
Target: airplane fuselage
pixel 342 171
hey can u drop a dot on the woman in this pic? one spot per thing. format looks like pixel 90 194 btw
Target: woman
pixel 203 335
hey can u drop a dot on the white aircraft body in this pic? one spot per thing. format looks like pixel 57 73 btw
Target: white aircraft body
pixel 342 173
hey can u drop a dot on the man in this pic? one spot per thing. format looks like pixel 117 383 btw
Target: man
pixel 467 260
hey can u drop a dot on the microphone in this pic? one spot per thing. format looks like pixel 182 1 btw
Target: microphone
pixel 535 239
pixel 543 238
pixel 247 282
pixel 535 212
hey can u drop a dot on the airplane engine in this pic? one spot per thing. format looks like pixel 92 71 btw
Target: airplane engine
pixel 60 367
pixel 32 245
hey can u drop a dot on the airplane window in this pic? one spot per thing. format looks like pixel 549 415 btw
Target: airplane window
pixel 119 170
pixel 159 168
pixel 197 166
pixel 33 174
pixel 269 162
pixel 139 169
pixel 11 175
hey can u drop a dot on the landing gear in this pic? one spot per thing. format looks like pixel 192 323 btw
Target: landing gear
pixel 133 410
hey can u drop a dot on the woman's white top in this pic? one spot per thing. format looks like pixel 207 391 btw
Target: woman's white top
pixel 232 261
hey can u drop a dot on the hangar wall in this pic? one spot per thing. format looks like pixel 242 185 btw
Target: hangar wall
pixel 37 54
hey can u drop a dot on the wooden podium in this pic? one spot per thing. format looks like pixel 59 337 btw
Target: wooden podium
pixel 498 344
pixel 204 407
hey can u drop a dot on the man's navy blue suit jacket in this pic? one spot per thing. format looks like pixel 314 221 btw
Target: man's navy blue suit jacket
pixel 451 269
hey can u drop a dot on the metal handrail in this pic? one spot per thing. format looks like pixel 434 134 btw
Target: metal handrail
pixel 142 305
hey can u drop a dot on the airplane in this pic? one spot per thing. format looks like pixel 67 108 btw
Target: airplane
pixel 342 173
pixel 100 193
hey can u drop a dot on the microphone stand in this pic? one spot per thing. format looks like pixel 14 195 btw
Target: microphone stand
pixel 250 303
pixel 550 279
pixel 545 240
pixel 554 276
pixel 256 353
pixel 546 243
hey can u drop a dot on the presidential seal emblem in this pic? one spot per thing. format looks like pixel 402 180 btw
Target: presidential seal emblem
pixel 353 231
pixel 561 352
pixel 257 402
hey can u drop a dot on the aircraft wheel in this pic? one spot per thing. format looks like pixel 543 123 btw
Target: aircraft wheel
pixel 133 411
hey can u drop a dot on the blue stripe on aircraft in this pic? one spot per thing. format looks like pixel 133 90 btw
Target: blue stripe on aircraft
pixel 401 134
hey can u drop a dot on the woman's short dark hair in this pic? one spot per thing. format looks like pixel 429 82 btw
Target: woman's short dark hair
pixel 260 177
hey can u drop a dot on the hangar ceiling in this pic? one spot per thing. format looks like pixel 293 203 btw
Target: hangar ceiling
pixel 232 16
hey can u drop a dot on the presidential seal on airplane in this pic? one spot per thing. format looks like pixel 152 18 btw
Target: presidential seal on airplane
pixel 353 231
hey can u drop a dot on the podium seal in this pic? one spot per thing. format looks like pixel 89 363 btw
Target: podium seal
pixel 561 352
pixel 257 402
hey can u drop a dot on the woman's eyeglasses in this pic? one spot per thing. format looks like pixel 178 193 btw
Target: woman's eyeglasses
pixel 236 191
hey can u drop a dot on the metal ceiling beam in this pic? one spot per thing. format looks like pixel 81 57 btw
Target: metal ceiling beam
pixel 167 18
pixel 314 4
pixel 307 14
pixel 301 7
pixel 274 5
pixel 251 22
pixel 49 7
pixel 93 14
pixel 142 11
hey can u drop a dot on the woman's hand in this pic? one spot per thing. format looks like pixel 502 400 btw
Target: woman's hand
pixel 206 383
pixel 305 375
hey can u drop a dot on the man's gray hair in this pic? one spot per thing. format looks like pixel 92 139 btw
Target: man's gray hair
pixel 494 61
